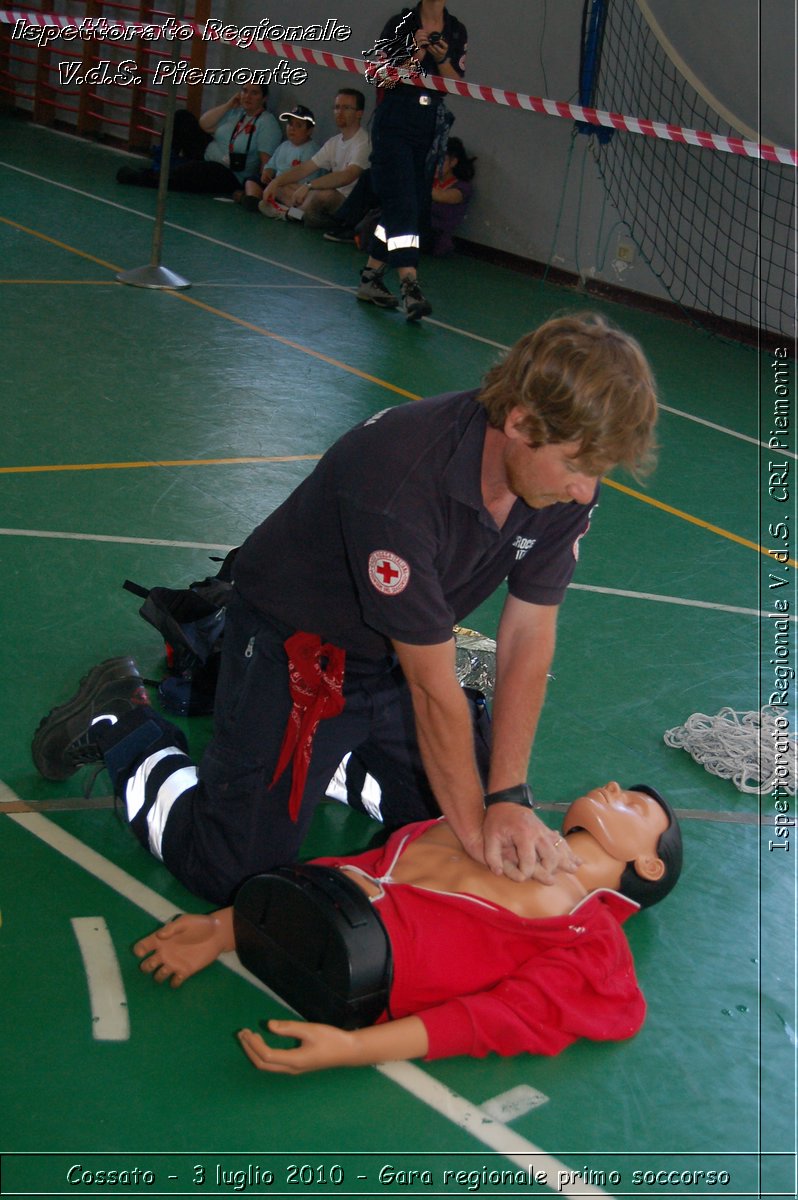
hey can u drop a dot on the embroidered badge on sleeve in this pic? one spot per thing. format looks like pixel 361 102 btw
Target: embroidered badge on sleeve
pixel 388 572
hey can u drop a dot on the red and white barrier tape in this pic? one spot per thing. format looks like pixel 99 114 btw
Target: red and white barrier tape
pixel 457 87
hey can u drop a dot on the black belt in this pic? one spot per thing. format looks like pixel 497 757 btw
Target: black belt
pixel 312 936
pixel 417 95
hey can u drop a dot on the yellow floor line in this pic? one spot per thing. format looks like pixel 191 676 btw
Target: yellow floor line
pixel 276 337
pixel 61 245
pixel 218 312
pixel 677 512
pixel 165 462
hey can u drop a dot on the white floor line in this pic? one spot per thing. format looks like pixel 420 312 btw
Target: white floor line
pixel 491 1133
pixel 455 329
pixel 411 1078
pixel 123 541
pixel 729 608
pixel 219 547
pixel 743 437
pixel 272 262
pixel 515 1103
pixel 234 285
pixel 109 1013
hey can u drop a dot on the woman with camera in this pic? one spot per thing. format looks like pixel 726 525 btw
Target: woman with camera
pixel 408 139
pixel 216 153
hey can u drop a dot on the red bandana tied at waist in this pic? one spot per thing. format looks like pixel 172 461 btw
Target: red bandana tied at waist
pixel 315 678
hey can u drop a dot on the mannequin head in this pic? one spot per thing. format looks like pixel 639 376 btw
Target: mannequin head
pixel 636 827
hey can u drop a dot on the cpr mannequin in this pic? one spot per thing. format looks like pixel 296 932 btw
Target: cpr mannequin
pixel 481 963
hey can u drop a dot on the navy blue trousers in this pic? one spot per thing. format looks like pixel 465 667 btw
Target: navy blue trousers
pixel 231 823
pixel 403 131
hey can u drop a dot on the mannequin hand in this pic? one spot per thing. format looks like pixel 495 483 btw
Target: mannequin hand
pixel 320 1046
pixel 181 948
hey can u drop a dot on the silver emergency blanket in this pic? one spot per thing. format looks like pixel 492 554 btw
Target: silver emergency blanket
pixel 475 660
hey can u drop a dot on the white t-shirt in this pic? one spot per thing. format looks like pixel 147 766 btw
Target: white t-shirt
pixel 336 154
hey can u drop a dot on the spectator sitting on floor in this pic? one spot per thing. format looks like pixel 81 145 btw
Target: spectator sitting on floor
pixel 297 148
pixel 215 154
pixel 451 195
pixel 476 963
pixel 343 157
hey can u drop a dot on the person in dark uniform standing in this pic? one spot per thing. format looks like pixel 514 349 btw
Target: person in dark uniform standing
pixel 408 137
pixel 339 634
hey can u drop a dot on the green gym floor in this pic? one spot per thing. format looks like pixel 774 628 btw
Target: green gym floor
pixel 145 431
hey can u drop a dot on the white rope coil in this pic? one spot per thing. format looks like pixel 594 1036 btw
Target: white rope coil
pixel 753 749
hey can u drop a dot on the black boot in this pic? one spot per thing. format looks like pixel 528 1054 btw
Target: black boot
pixel 67 738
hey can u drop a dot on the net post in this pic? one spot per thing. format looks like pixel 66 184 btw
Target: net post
pixel 155 275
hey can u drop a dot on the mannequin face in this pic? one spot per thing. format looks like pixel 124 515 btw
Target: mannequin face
pixel 627 825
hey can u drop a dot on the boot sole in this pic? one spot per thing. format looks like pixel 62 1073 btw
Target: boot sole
pixel 98 677
pixel 378 303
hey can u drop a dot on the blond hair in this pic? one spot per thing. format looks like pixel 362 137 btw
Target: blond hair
pixel 579 379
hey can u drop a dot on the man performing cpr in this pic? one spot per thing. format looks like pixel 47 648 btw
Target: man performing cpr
pixel 339 633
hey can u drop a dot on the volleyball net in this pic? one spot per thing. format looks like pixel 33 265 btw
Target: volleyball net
pixel 717 230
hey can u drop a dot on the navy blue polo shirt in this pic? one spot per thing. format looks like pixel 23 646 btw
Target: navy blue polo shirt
pixel 389 537
pixel 396 41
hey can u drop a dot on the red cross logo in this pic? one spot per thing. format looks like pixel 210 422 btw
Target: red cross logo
pixel 388 572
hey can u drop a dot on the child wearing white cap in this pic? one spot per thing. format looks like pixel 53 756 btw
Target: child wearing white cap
pixel 297 148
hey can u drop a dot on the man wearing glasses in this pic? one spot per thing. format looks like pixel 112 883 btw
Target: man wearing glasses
pixel 342 158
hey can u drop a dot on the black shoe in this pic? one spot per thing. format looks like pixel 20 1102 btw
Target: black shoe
pixel 137 176
pixel 414 303
pixel 66 738
pixel 249 203
pixel 340 234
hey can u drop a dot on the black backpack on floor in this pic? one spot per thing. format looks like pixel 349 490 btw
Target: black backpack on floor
pixel 191 622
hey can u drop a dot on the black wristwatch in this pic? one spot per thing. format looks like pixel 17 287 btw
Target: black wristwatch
pixel 520 794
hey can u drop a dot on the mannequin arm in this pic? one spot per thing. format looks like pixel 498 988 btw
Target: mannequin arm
pixel 322 1046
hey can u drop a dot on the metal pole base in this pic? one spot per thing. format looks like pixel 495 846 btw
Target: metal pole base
pixel 153 277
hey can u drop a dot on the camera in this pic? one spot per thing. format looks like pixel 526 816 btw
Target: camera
pixel 237 161
pixel 434 37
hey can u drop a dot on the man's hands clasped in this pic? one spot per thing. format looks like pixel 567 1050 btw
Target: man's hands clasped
pixel 516 843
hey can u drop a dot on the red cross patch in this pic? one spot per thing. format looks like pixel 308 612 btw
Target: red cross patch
pixel 388 572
